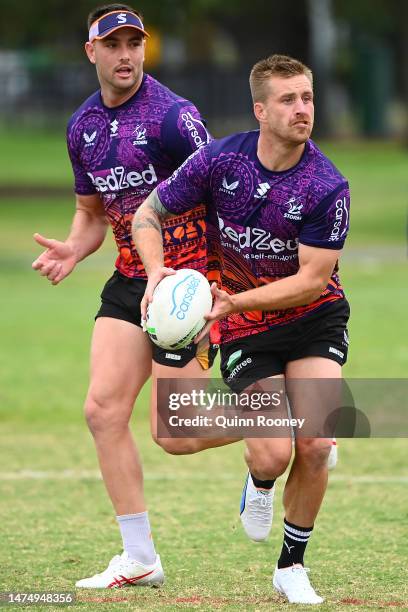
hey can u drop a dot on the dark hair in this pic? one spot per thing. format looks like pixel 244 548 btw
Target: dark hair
pixel 99 11
pixel 275 65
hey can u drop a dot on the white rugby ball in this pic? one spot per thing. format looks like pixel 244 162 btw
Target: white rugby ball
pixel 176 313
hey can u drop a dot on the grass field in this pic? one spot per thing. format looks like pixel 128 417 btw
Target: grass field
pixel 56 522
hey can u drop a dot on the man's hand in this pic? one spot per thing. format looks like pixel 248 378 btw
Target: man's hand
pixel 57 261
pixel 222 306
pixel 152 282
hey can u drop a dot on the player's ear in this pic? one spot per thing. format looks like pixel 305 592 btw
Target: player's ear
pixel 90 51
pixel 259 111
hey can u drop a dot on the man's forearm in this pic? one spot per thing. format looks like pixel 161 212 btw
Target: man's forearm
pixel 87 233
pixel 147 234
pixel 289 292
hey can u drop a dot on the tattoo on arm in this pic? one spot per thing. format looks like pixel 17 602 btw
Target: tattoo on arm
pixel 152 214
pixel 148 223
pixel 158 207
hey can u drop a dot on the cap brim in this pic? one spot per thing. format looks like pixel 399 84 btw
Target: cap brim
pixel 124 25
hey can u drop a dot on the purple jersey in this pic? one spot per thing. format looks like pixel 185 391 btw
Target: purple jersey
pixel 257 218
pixel 124 152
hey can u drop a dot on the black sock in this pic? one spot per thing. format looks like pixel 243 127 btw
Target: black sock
pixel 294 544
pixel 262 484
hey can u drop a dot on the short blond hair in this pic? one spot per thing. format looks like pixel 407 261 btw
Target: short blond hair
pixel 275 65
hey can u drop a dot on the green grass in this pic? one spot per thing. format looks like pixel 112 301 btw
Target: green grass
pixel 55 530
pixel 377 173
pixel 34 158
pixel 59 530
pixel 377 294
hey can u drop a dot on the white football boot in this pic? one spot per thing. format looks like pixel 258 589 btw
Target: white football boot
pixel 256 510
pixel 293 583
pixel 333 456
pixel 122 572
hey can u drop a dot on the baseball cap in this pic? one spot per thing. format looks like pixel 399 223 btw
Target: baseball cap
pixel 110 22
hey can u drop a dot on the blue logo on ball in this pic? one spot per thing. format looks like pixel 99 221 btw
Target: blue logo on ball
pixel 190 290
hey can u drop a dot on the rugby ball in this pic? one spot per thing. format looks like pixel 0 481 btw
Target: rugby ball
pixel 176 313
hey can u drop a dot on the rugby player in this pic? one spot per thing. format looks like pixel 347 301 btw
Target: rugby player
pixel 123 140
pixel 278 217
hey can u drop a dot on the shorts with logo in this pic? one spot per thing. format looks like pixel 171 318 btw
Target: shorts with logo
pixel 121 298
pixel 321 333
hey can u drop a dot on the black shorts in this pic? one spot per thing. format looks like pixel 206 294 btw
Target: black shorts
pixel 322 333
pixel 121 297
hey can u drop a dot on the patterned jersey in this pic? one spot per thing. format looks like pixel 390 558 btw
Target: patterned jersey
pixel 123 153
pixel 257 218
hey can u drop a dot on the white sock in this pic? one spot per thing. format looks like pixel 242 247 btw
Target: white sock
pixel 137 537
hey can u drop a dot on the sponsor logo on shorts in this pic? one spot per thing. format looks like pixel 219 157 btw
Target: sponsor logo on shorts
pixel 346 339
pixel 173 356
pixel 233 358
pixel 117 179
pixel 336 352
pixel 239 367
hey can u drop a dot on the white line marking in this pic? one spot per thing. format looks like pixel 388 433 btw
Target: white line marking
pixel 368 479
pixel 95 475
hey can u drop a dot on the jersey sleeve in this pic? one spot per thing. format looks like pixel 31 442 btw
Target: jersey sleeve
pixel 183 131
pixel 327 224
pixel 82 182
pixel 188 186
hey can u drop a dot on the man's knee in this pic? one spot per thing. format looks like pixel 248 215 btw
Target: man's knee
pixel 177 446
pixel 313 451
pixel 268 464
pixel 103 413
